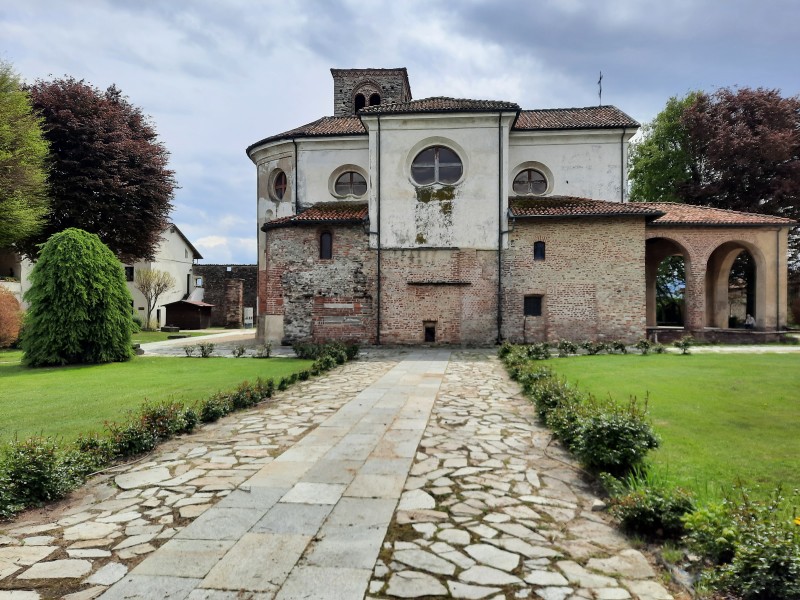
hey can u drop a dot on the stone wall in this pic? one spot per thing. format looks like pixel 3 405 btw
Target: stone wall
pixel 214 277
pixel 391 84
pixel 592 280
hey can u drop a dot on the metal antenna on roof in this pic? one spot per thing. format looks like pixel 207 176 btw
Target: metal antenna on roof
pixel 600 89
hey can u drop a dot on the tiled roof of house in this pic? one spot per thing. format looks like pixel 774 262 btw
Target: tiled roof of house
pixel 326 126
pixel 689 214
pixel 439 104
pixel 570 206
pixel 326 212
pixel 192 302
pixel 591 117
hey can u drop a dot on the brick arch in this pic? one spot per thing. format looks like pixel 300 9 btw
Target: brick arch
pixel 718 270
pixel 657 249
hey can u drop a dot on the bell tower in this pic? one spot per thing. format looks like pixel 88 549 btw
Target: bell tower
pixel 354 89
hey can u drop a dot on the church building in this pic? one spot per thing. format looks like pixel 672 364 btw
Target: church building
pixel 457 221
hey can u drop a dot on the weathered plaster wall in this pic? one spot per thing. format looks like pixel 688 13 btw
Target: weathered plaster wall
pixel 463 215
pixel 592 280
pixel 586 164
pixel 321 161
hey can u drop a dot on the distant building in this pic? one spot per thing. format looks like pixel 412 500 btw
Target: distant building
pixel 474 221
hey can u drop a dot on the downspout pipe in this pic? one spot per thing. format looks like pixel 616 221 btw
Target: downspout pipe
pixel 622 166
pixel 378 215
pixel 296 175
pixel 499 228
pixel 778 279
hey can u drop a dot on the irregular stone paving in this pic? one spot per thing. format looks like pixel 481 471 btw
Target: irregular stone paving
pixel 93 539
pixel 492 509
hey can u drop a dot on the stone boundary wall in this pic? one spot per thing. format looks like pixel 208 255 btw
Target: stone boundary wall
pixel 214 277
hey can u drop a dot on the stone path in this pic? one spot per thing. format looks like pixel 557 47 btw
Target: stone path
pixel 299 499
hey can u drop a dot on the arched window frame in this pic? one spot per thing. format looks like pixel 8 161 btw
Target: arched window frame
pixel 437 163
pixel 350 184
pixel 374 99
pixel 359 102
pixel 326 245
pixel 539 250
pixel 279 184
pixel 533 178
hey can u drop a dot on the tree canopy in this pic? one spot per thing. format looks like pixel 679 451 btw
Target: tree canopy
pixel 109 174
pixel 737 149
pixel 79 305
pixel 23 163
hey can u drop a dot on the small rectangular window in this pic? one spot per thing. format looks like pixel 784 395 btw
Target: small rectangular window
pixel 538 251
pixel 326 246
pixel 533 306
pixel 128 273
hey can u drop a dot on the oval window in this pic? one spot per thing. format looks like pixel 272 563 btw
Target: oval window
pixel 530 182
pixel 350 183
pixel 279 184
pixel 436 164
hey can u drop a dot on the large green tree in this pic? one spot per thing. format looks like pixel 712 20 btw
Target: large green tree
pixel 109 174
pixel 662 162
pixel 79 305
pixel 23 162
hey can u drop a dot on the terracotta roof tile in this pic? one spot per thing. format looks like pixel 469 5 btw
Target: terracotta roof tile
pixel 591 117
pixel 321 127
pixel 439 104
pixel 689 214
pixel 570 206
pixel 326 212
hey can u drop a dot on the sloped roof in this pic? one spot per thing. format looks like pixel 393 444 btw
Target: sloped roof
pixel 327 212
pixel 591 117
pixel 192 302
pixel 177 230
pixel 326 126
pixel 571 206
pixel 689 214
pixel 439 104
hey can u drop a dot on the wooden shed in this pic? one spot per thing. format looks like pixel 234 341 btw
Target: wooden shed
pixel 188 314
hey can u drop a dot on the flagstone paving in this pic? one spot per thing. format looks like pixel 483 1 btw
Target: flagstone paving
pixel 406 474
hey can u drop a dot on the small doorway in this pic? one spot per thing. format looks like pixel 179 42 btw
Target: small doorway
pixel 429 328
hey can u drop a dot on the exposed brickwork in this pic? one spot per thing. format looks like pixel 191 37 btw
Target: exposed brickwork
pixel 214 277
pixel 391 84
pixel 592 280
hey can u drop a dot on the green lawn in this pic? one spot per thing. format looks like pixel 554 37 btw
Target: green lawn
pixel 723 418
pixel 67 401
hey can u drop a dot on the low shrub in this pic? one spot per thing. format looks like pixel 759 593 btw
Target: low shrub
pixel 539 351
pixel 32 472
pixel 283 383
pixel 617 438
pixel 238 351
pixel 206 349
pixel 659 348
pixel 763 547
pixel 263 351
pixel 189 350
pixel 643 346
pixel 618 347
pixel 10 318
pixel 565 348
pixel 684 344
pixel 651 508
pixel 214 408
pixel 593 348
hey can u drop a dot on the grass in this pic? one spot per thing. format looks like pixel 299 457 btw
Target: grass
pixel 723 418
pixel 66 401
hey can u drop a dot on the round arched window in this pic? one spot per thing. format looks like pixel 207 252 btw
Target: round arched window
pixel 530 182
pixel 350 183
pixel 279 184
pixel 436 164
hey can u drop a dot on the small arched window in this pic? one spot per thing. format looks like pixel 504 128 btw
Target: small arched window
pixel 538 251
pixel 350 183
pixel 436 164
pixel 326 245
pixel 374 99
pixel 279 185
pixel 530 182
pixel 360 102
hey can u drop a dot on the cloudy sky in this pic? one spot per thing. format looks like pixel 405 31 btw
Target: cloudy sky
pixel 218 75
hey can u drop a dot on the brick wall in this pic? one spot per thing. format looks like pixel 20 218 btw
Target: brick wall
pixel 592 280
pixel 214 277
pixel 389 83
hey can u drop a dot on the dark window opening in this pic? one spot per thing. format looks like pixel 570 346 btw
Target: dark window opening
pixel 436 165
pixel 360 102
pixel 374 99
pixel 279 185
pixel 530 182
pixel 533 306
pixel 326 246
pixel 429 327
pixel 350 184
pixel 128 273
pixel 538 251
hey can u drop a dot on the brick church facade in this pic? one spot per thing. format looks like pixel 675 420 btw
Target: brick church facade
pixel 444 220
